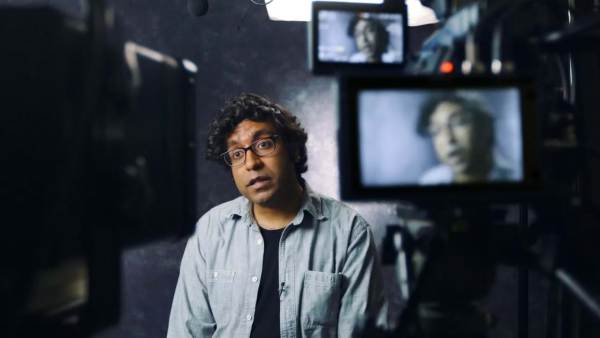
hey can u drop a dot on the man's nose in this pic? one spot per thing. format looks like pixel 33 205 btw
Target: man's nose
pixel 360 39
pixel 253 161
pixel 448 134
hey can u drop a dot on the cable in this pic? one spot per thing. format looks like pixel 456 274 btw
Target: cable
pixel 264 3
pixel 578 291
pixel 567 281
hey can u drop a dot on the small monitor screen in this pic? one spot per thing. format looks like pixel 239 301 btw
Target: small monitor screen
pixel 357 38
pixel 346 36
pixel 439 136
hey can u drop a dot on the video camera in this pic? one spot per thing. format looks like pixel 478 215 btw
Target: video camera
pixel 485 120
pixel 100 141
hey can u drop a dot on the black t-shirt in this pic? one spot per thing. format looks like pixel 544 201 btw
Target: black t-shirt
pixel 266 316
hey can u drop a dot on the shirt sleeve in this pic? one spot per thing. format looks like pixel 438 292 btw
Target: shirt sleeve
pixel 363 292
pixel 191 315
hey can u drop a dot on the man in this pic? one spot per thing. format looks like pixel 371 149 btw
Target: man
pixel 462 132
pixel 371 39
pixel 280 260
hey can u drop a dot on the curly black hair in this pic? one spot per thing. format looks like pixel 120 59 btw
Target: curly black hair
pixel 256 108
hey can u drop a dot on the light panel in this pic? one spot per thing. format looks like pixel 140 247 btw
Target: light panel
pixel 299 10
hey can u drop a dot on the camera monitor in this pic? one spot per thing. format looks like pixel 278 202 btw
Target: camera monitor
pixel 409 138
pixel 357 37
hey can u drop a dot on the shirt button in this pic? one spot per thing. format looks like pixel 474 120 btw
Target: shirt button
pixel 249 317
pixel 254 279
pixel 216 274
pixel 259 241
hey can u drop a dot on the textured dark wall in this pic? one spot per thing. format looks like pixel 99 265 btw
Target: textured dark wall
pixel 236 49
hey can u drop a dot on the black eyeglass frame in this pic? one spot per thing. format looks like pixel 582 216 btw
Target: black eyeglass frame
pixel 252 146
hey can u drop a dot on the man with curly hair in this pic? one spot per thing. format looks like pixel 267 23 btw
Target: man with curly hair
pixel 280 260
pixel 461 129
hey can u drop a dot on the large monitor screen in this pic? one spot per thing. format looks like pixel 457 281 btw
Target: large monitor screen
pixel 440 136
pixel 357 37
pixel 420 136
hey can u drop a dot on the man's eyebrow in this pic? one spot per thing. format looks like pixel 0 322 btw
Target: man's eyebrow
pixel 460 112
pixel 262 132
pixel 255 136
pixel 231 143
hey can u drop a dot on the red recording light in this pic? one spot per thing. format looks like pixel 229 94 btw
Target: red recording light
pixel 447 67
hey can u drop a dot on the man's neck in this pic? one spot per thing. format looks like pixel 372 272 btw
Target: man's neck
pixel 280 214
pixel 479 173
pixel 373 58
pixel 469 178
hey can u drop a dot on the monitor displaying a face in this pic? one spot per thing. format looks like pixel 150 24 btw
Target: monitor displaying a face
pixel 439 136
pixel 360 37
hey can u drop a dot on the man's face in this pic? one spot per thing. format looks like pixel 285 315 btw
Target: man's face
pixel 365 35
pixel 261 179
pixel 453 134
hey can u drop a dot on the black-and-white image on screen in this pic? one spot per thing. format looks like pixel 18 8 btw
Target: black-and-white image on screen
pixel 440 137
pixel 360 37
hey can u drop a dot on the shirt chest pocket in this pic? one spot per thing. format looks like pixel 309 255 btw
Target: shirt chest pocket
pixel 220 284
pixel 321 296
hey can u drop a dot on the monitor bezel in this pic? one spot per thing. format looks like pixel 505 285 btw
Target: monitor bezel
pixel 328 67
pixel 352 189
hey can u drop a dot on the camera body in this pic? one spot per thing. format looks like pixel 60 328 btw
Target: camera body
pixel 100 140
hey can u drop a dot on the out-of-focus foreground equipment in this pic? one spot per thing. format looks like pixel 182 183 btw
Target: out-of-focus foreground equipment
pixel 99 154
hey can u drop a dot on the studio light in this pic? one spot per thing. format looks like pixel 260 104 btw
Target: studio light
pixel 299 10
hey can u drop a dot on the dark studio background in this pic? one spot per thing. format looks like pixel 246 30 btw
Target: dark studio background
pixel 238 49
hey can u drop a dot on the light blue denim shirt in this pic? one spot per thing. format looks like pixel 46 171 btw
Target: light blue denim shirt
pixel 329 273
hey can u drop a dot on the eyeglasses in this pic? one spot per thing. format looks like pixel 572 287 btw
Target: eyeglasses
pixel 262 147
pixel 454 122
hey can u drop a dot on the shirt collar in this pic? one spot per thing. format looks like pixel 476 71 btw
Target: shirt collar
pixel 311 203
